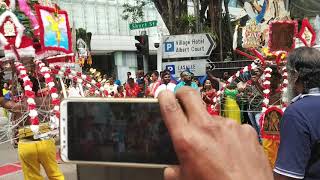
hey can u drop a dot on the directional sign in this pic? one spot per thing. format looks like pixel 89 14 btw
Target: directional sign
pixel 197 67
pixel 142 25
pixel 188 45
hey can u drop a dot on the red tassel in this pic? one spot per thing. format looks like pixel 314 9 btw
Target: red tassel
pixel 34 121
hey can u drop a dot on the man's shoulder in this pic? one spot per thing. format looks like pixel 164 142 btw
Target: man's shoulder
pixel 306 104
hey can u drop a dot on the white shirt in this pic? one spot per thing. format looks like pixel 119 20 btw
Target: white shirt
pixel 74 92
pixel 170 86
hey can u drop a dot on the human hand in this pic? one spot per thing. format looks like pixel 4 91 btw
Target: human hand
pixel 209 148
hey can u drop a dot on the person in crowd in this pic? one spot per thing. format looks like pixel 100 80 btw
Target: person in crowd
pixel 120 92
pixel 132 88
pixel 225 77
pixel 207 94
pixel 209 147
pixel 243 102
pixel 5 89
pixel 231 107
pixel 166 83
pixel 186 80
pixel 139 75
pixel 111 87
pixel 143 90
pixel 298 155
pixel 254 92
pixel 147 78
pixel 128 75
pixel 155 83
pixel 219 83
pixel 196 80
pixel 117 82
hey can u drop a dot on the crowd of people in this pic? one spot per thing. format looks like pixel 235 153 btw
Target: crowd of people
pixel 298 154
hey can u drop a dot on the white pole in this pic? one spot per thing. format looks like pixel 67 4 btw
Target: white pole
pixel 159 56
pixel 63 88
pixel 81 89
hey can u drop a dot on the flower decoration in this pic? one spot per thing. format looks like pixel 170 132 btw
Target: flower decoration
pixel 307 34
pixel 282 35
pixel 266 86
pixel 55 101
pixel 30 95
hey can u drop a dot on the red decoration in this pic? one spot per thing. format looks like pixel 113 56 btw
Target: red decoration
pixel 259 55
pixel 12 37
pixel 270 123
pixel 282 35
pixel 306 25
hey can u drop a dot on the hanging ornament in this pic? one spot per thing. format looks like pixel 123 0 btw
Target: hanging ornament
pixel 307 34
pixel 89 60
pixel 251 35
pixel 282 35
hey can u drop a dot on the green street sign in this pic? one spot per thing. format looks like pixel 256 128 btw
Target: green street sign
pixel 143 25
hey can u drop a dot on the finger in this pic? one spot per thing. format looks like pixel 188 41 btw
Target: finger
pixel 192 104
pixel 172 113
pixel 172 173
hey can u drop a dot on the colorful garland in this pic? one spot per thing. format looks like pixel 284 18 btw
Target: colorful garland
pixel 93 86
pixel 266 86
pixel 30 95
pixel 284 88
pixel 55 101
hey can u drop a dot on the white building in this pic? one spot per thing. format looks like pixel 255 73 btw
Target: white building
pixel 113 43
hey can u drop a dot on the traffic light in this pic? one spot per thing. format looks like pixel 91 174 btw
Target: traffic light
pixel 143 45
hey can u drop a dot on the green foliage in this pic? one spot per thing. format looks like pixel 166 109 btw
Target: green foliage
pixel 188 22
pixel 24 20
pixel 134 11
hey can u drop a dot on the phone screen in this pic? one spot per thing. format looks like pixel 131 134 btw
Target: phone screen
pixel 131 132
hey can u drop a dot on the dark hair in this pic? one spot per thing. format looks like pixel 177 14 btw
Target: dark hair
pixel 118 88
pixel 165 72
pixel 130 80
pixel 155 73
pixel 306 62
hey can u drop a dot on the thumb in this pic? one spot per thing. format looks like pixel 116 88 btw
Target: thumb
pixel 172 173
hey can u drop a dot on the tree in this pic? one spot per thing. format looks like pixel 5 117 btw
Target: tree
pixel 175 15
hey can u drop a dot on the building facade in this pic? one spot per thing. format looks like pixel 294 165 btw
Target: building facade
pixel 113 43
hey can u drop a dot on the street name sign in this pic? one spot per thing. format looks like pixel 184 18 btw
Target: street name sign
pixel 188 45
pixel 142 25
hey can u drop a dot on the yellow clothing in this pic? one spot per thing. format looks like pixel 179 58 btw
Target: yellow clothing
pixel 232 110
pixel 34 153
pixel 5 112
pixel 271 149
pixel 4 91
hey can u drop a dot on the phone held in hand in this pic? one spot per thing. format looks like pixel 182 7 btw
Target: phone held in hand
pixel 115 132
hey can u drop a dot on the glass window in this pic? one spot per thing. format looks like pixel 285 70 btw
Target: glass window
pixel 113 20
pixel 90 18
pixel 102 19
pixel 77 11
pixel 124 27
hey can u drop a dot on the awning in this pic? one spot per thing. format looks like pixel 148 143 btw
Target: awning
pixel 304 8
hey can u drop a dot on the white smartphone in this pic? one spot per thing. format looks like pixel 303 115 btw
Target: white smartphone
pixel 115 132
